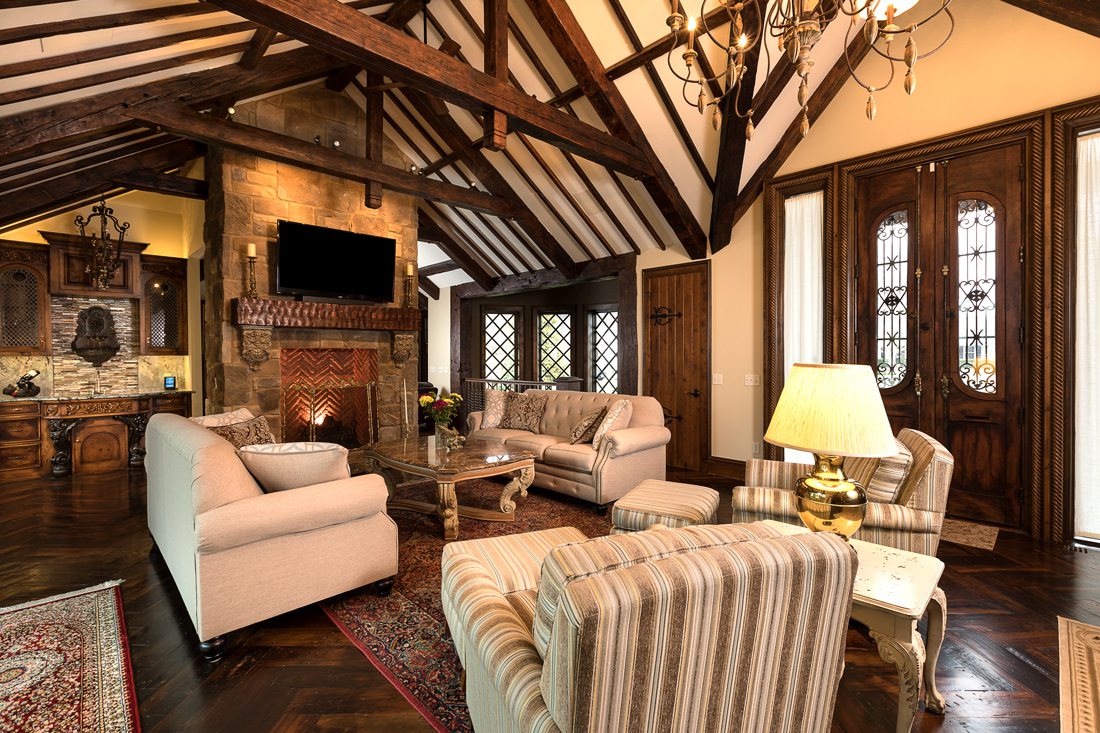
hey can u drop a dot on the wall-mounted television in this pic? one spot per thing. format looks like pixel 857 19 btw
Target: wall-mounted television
pixel 330 263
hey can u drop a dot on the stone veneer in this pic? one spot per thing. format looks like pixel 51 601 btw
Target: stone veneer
pixel 248 196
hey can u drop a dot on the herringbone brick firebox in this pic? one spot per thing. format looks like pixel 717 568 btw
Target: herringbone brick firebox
pixel 330 395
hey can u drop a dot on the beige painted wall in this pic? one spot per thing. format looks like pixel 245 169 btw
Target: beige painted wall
pixel 439 339
pixel 1001 62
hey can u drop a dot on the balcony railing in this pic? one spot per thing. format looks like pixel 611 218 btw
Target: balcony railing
pixel 473 390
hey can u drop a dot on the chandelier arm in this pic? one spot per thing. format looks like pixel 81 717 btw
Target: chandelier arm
pixel 920 57
pixel 852 72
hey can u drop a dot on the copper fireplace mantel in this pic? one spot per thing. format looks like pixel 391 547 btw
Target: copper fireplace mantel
pixel 264 312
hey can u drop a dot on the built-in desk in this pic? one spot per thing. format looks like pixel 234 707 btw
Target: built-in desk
pixel 56 436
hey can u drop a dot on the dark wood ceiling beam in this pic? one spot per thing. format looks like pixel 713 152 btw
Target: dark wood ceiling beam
pixel 163 183
pixel 43 167
pixel 283 148
pixel 257 47
pixel 453 137
pixel 372 192
pixel 400 13
pixel 638 211
pixel 363 41
pixel 495 45
pixel 34 176
pixel 52 128
pixel 576 50
pixel 101 22
pixel 824 94
pixel 56 193
pixel 1082 15
pixel 440 163
pixel 438 268
pixel 429 230
pixel 429 288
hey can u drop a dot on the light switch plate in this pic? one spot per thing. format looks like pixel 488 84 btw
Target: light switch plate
pixel 752 380
pixel 756 447
pixel 716 379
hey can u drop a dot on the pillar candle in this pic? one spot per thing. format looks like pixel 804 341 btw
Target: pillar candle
pixel 251 249
pixel 409 269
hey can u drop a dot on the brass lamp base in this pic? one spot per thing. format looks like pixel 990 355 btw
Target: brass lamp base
pixel 828 501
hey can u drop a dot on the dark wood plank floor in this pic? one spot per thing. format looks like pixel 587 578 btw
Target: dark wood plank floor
pixel 297 672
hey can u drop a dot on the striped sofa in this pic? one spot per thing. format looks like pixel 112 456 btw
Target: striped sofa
pixel 709 628
pixel 907 493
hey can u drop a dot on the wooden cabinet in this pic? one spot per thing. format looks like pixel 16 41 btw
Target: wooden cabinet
pixel 69 260
pixel 177 404
pixel 24 299
pixel 100 445
pixel 163 305
pixel 20 438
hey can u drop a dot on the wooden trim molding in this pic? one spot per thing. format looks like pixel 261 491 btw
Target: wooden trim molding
pixel 726 467
pixel 297 314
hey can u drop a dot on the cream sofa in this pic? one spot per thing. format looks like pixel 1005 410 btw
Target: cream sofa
pixel 711 628
pixel 625 458
pixel 239 555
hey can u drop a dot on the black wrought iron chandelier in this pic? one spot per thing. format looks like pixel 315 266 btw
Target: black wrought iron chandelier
pixel 106 256
pixel 796 27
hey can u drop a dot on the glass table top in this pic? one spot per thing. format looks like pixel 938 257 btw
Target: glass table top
pixel 423 453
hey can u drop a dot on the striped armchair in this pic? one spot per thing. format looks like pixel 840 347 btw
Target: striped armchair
pixel 709 628
pixel 907 493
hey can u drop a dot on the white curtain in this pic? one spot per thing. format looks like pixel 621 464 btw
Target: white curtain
pixel 1087 329
pixel 803 286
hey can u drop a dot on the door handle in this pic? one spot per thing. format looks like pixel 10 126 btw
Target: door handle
pixel 695 392
pixel 945 386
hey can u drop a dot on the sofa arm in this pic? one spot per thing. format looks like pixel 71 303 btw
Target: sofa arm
pixel 632 440
pixel 289 512
pixel 775 474
pixel 894 516
pixel 473 421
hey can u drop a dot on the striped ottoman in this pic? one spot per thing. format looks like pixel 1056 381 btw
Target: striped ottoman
pixel 664 502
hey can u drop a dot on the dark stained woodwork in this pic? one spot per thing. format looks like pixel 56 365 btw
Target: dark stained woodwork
pixel 828 89
pixel 32 259
pixel 677 356
pixel 167 184
pixel 99 445
pixel 430 288
pixel 446 161
pixel 21 435
pixel 400 13
pixel 361 40
pixel 1084 15
pixel 261 41
pixel 158 275
pixel 428 230
pixel 299 314
pixel 69 163
pixel 732 143
pixel 290 150
pixel 70 257
pixel 438 268
pixel 27 202
pixel 372 193
pixel 569 39
pixel 496 65
pixel 93 23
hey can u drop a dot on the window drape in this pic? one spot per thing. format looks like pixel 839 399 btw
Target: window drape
pixel 803 286
pixel 1087 336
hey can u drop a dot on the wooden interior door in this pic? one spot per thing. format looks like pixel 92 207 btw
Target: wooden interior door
pixel 676 301
pixel 939 287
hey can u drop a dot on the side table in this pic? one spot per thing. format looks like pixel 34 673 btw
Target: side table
pixel 893 590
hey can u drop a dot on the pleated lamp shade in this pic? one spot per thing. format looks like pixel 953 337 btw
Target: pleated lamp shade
pixel 832 410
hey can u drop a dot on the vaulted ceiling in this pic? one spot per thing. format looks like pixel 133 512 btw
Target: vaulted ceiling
pixel 546 133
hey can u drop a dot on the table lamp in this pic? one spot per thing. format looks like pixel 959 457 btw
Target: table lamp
pixel 832 411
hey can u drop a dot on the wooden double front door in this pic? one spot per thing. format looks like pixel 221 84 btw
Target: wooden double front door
pixel 939 293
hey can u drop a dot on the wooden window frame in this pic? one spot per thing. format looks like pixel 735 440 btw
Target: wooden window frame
pixel 574 347
pixel 588 311
pixel 521 352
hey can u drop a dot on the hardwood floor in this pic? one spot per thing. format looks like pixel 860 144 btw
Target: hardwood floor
pixel 998 669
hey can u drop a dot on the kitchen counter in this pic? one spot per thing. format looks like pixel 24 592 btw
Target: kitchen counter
pixel 70 398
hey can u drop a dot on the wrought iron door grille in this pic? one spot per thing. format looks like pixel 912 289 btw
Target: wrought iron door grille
pixel 892 299
pixel 164 321
pixel 19 307
pixel 603 340
pixel 500 346
pixel 977 298
pixel 555 346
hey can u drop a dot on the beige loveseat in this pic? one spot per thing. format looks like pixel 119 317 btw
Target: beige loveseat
pixel 625 458
pixel 239 555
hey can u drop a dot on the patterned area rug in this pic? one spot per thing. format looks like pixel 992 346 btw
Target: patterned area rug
pixel 403 634
pixel 1079 676
pixel 65 664
pixel 969 534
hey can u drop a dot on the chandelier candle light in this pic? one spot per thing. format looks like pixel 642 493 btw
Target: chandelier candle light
pixel 105 259
pixel 796 26
pixel 833 411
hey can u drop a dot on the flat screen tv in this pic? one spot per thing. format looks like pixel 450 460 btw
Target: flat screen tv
pixel 331 263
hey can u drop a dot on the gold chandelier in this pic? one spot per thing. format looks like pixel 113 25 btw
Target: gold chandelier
pixel 796 27
pixel 105 259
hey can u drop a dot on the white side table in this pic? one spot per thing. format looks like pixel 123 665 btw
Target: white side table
pixel 893 590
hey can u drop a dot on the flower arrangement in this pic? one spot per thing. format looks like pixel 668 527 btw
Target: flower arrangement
pixel 444 408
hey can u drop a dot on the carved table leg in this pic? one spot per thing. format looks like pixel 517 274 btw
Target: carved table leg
pixel 520 483
pixel 907 655
pixel 61 435
pixel 448 509
pixel 937 625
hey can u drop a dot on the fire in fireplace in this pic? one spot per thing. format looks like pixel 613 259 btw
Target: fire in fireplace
pixel 330 395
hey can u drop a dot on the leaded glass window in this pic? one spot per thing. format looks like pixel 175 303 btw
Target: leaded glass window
pixel 19 316
pixel 555 346
pixel 977 297
pixel 892 299
pixel 603 347
pixel 500 346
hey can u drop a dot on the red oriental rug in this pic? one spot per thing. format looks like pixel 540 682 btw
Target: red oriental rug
pixel 65 664
pixel 403 634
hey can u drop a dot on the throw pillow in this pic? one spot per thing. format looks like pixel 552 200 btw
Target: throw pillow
pixel 523 411
pixel 249 432
pixel 617 418
pixel 585 430
pixel 283 466
pixel 494 408
pixel 890 475
pixel 225 418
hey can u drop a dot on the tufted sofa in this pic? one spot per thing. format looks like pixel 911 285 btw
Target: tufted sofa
pixel 625 458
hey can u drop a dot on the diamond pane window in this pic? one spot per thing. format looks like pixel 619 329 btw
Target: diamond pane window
pixel 892 299
pixel 603 347
pixel 977 253
pixel 500 346
pixel 555 340
pixel 19 295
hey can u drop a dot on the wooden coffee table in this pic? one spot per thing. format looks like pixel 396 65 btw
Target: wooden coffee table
pixel 481 459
